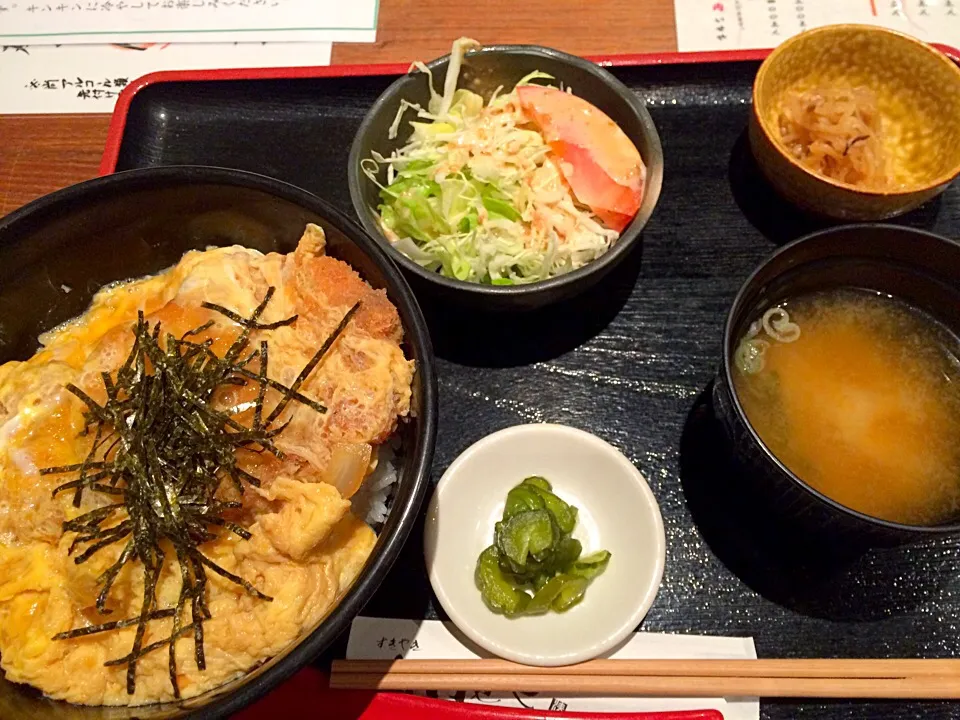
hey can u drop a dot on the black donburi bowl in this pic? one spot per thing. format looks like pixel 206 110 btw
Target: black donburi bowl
pixel 483 71
pixel 142 221
pixel 919 268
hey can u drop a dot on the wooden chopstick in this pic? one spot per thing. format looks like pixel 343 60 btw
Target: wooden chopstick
pixel 915 688
pixel 763 668
pixel 814 678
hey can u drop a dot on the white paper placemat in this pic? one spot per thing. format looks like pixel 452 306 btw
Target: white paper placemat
pixel 750 24
pixel 88 78
pixel 384 639
pixel 46 22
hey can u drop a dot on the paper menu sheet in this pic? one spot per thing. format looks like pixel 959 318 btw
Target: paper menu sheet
pixel 88 78
pixel 41 22
pixel 747 24
pixel 386 639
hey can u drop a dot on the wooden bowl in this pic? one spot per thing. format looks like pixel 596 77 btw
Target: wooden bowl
pixel 918 97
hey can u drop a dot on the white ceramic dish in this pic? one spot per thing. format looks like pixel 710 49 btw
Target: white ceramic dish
pixel 617 512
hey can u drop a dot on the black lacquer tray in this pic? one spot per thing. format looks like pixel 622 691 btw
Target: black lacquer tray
pixel 631 361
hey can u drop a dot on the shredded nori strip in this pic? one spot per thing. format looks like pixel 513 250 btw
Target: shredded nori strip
pixel 161 450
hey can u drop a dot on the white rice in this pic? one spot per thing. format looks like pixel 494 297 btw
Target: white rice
pixel 372 500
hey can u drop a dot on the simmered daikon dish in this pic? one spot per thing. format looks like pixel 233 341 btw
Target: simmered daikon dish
pixel 188 470
pixel 858 394
pixel 531 184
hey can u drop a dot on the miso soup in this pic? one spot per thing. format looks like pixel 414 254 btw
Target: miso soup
pixel 859 395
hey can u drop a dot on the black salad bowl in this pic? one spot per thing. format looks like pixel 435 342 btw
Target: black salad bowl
pixel 917 267
pixel 56 252
pixel 483 71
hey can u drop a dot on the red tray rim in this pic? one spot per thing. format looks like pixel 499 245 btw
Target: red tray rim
pixel 118 121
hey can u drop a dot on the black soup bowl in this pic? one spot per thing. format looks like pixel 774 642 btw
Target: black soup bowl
pixel 140 222
pixel 916 267
pixel 483 71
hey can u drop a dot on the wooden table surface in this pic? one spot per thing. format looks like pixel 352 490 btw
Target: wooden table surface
pixel 42 153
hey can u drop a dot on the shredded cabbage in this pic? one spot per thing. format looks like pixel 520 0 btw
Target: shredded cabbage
pixel 475 193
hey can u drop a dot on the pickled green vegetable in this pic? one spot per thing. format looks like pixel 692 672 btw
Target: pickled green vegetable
pixel 535 565
pixel 590 566
pixel 528 533
pixel 543 599
pixel 521 499
pixel 565 515
pixel 537 481
pixel 572 592
pixel 498 592
pixel 567 552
